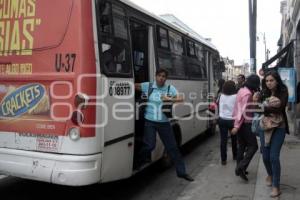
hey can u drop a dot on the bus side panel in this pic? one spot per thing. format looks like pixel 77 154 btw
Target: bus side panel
pixel 117 161
pixel 190 124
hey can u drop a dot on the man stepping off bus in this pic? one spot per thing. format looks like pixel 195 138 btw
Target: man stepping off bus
pixel 157 121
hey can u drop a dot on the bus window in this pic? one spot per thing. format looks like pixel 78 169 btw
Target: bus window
pixel 163 38
pixel 178 67
pixel 138 57
pixel 204 71
pixel 114 58
pixel 195 71
pixel 139 39
pixel 120 23
pixel 105 17
pixel 191 49
pixel 217 71
pixel 165 62
pixel 115 51
pixel 174 64
pixel 201 58
pixel 200 53
pixel 176 43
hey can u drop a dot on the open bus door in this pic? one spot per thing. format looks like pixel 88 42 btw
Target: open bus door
pixel 140 55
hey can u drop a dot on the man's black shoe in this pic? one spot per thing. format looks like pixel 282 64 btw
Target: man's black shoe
pixel 186 177
pixel 243 175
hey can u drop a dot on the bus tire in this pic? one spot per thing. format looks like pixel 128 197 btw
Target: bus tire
pixel 166 161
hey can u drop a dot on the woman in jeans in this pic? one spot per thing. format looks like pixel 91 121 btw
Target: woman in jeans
pixel 273 86
pixel 226 104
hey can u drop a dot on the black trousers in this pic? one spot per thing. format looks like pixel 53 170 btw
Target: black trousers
pixel 247 146
pixel 226 125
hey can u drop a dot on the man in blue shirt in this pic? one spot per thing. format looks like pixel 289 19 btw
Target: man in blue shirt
pixel 156 120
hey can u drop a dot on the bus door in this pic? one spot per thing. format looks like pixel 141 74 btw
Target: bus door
pixel 211 86
pixel 116 115
pixel 140 54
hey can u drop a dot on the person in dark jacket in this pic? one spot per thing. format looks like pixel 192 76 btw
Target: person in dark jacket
pixel 274 87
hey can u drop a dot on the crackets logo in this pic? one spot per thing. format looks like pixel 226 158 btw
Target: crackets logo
pixel 21 100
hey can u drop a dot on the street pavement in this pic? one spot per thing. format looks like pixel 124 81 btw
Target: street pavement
pixel 217 182
pixel 213 181
pixel 290 176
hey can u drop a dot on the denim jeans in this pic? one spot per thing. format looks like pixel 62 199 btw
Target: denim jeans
pixel 166 135
pixel 225 126
pixel 271 155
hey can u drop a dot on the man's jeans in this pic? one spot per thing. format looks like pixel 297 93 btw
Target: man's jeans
pixel 271 155
pixel 165 132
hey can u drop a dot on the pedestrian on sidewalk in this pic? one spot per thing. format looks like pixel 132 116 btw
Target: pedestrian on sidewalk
pixel 157 121
pixel 240 81
pixel 247 143
pixel 226 105
pixel 274 87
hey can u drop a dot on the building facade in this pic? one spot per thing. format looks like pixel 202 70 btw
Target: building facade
pixel 290 33
pixel 229 64
pixel 232 71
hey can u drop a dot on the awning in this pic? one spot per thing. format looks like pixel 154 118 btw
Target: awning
pixel 284 59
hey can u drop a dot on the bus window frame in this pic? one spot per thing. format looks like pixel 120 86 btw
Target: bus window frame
pixel 159 37
pixel 162 50
pixel 173 51
pixel 104 37
pixel 188 48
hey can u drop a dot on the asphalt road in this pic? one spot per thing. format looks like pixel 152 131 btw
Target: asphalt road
pixel 152 183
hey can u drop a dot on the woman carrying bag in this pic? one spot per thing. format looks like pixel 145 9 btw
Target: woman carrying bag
pixel 273 87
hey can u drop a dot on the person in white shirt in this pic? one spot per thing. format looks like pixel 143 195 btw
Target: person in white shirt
pixel 226 104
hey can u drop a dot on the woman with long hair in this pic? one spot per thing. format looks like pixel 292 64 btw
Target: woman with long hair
pixel 274 87
pixel 226 104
